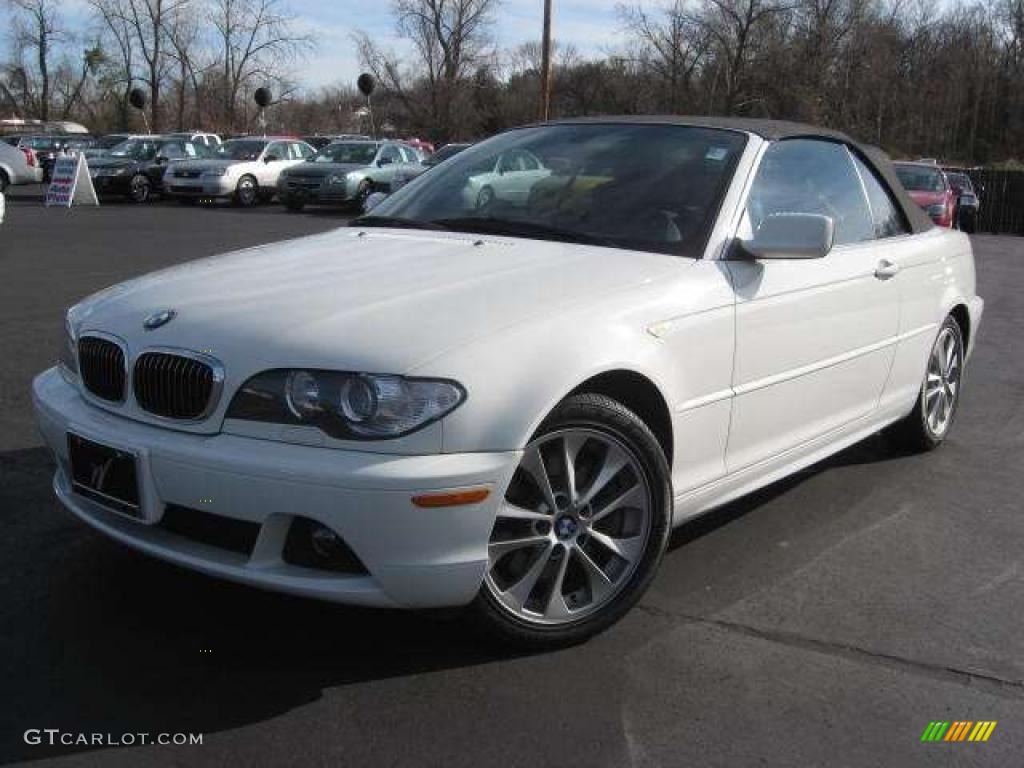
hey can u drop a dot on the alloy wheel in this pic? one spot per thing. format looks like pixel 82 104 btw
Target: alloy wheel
pixel 942 382
pixel 572 528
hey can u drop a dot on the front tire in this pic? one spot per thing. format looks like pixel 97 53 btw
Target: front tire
pixel 247 192
pixel 928 425
pixel 4 181
pixel 581 529
pixel 139 189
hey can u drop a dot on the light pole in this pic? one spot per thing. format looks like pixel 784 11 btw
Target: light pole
pixel 545 64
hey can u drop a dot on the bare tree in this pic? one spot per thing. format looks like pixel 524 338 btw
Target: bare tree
pixel 39 29
pixel 451 39
pixel 669 47
pixel 255 39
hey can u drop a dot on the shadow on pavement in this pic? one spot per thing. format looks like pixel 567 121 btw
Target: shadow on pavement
pixel 98 639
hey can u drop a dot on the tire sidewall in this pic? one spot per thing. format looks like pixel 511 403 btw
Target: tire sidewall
pixel 600 414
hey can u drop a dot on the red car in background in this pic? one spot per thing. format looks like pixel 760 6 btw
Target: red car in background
pixel 928 186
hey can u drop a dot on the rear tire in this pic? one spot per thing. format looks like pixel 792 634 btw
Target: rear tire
pixel 928 425
pixel 4 181
pixel 568 563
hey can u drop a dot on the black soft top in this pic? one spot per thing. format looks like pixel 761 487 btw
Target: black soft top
pixel 780 130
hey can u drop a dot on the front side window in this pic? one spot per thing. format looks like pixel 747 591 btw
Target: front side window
pixel 171 150
pixel 811 176
pixel 886 216
pixel 240 149
pixel 652 187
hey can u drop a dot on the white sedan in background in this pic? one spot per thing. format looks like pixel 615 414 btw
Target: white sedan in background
pixel 509 178
pixel 509 408
pixel 244 170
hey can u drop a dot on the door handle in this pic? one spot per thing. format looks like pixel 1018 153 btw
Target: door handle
pixel 886 269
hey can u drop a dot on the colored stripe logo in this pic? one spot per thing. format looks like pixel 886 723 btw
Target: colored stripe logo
pixel 959 730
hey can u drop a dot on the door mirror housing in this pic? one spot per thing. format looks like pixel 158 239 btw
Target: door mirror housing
pixel 791 236
pixel 161 160
pixel 385 161
pixel 271 159
pixel 374 200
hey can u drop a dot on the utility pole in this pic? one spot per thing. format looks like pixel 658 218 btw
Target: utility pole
pixel 545 64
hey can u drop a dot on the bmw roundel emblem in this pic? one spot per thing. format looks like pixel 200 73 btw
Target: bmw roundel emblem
pixel 158 319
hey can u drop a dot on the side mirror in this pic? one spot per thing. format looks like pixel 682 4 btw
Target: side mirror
pixel 161 160
pixel 384 161
pixel 791 236
pixel 271 159
pixel 374 200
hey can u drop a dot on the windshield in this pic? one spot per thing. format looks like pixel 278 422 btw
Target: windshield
pixel 135 149
pixel 645 187
pixel 240 149
pixel 961 180
pixel 357 154
pixel 108 142
pixel 916 178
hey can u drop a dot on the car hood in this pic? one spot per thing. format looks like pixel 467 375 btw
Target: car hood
pixel 320 170
pixel 208 164
pixel 383 301
pixel 112 162
pixel 924 199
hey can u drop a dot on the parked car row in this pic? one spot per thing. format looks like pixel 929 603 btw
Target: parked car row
pixel 194 166
pixel 948 197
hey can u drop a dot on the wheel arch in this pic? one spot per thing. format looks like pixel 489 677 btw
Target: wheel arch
pixel 962 316
pixel 639 394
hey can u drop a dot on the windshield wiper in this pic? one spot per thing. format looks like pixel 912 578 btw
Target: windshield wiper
pixel 394 221
pixel 489 225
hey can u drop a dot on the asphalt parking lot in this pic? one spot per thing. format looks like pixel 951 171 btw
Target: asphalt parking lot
pixel 825 621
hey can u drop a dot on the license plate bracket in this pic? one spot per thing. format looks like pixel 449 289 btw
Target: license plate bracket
pixel 104 474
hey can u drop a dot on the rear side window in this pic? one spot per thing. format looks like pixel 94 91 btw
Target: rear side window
pixel 888 219
pixel 811 176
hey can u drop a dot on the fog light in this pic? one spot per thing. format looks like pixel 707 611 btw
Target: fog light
pixel 313 545
pixel 325 542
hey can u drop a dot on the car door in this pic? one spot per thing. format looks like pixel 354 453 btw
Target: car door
pixel 387 162
pixel 274 160
pixel 166 154
pixel 920 269
pixel 814 337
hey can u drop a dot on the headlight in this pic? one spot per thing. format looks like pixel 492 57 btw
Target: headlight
pixel 67 356
pixel 346 406
pixel 938 209
pixel 337 180
pixel 216 172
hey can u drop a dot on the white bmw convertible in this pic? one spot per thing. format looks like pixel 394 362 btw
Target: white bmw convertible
pixel 507 404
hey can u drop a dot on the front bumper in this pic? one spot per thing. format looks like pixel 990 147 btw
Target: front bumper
pixel 315 193
pixel 415 557
pixel 112 185
pixel 198 187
